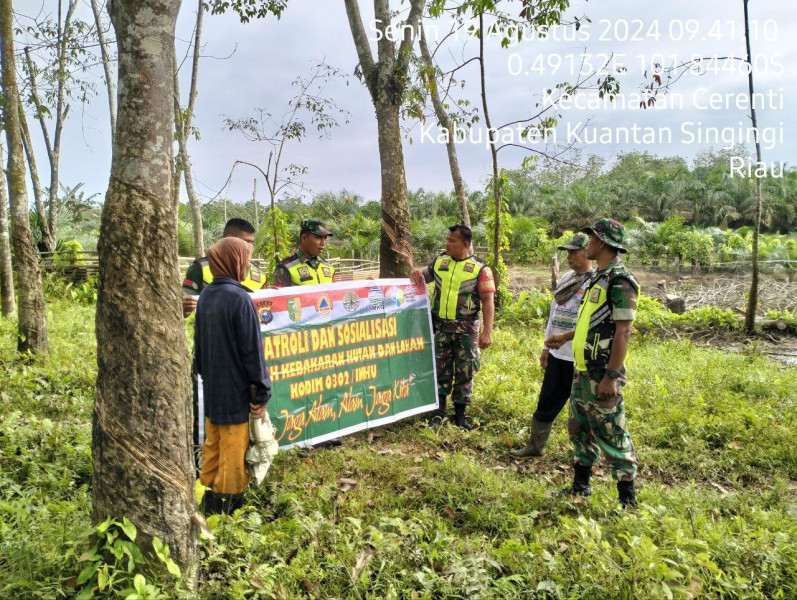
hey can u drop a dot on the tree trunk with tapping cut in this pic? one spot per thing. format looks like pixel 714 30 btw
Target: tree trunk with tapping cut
pixel 141 437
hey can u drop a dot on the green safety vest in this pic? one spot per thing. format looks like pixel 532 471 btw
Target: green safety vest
pixel 255 278
pixel 456 296
pixel 592 341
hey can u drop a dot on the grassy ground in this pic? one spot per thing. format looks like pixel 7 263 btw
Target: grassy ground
pixel 409 512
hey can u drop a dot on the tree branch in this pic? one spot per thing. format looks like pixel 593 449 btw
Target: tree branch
pixel 360 41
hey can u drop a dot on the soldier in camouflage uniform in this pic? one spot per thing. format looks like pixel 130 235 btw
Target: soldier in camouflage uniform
pixel 600 342
pixel 463 285
pixel 305 266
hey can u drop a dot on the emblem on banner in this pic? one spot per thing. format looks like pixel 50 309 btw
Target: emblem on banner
pixel 396 295
pixel 264 314
pixel 376 298
pixel 409 294
pixel 294 309
pixel 323 306
pixel 351 301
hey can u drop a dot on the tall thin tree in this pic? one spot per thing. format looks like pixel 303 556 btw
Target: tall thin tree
pixel 182 128
pixel 8 305
pixel 106 63
pixel 141 442
pixel 752 297
pixel 32 317
pixel 64 37
pixel 386 79
pixel 446 124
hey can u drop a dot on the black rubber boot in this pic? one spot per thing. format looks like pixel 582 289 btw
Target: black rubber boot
pixel 210 504
pixel 627 494
pixel 540 432
pixel 580 485
pixel 229 503
pixel 459 417
pixel 328 444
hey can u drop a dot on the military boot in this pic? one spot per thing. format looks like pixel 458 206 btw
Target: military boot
pixel 229 503
pixel 540 432
pixel 580 485
pixel 459 417
pixel 627 494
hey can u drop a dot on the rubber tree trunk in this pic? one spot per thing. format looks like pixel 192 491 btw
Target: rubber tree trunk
pixel 32 317
pixel 141 436
pixel 386 80
pixel 395 249
pixel 8 305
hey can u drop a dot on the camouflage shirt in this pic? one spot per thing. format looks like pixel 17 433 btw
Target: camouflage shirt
pixel 321 271
pixel 592 344
pixel 456 296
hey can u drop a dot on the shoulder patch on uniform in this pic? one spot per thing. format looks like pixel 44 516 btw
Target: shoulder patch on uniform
pixel 326 271
pixel 594 295
pixel 444 264
pixel 286 262
pixel 468 268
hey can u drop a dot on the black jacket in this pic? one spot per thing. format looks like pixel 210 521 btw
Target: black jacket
pixel 228 352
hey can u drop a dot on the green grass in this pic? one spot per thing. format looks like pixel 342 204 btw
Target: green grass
pixel 445 514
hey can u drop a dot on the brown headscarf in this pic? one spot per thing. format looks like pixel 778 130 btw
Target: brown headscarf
pixel 230 258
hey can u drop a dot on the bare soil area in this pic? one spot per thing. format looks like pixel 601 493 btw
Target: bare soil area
pixel 708 289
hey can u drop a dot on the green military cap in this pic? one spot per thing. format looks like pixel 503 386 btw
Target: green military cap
pixel 314 227
pixel 577 242
pixel 608 231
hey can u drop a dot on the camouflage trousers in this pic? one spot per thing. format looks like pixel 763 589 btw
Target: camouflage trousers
pixel 598 426
pixel 457 359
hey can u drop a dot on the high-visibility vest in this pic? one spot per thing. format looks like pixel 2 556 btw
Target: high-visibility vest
pixel 303 274
pixel 255 278
pixel 456 296
pixel 592 341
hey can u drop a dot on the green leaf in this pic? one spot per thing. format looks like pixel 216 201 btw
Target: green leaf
pixel 172 567
pixel 157 545
pixel 140 583
pixel 85 593
pixel 102 578
pixel 102 527
pixel 129 529
pixel 87 573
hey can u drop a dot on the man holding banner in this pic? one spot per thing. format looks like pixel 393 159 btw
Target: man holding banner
pixel 463 284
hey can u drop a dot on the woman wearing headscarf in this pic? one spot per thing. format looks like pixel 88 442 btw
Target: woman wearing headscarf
pixel 229 357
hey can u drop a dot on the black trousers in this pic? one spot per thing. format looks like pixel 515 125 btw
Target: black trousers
pixel 556 385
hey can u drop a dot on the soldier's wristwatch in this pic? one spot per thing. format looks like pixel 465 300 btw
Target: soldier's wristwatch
pixel 613 374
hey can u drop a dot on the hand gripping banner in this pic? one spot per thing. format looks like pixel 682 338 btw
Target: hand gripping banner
pixel 345 357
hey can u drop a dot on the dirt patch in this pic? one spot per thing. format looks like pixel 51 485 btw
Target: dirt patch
pixel 708 289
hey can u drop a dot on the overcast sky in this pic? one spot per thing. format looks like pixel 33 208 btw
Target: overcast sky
pixel 250 66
